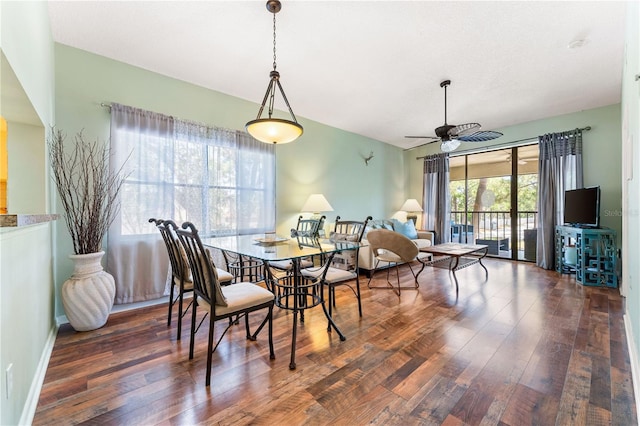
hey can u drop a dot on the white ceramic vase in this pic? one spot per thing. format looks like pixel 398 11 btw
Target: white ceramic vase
pixel 88 295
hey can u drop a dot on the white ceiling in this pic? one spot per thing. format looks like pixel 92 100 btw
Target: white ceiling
pixel 372 67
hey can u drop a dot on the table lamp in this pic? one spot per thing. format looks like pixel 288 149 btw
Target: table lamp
pixel 316 203
pixel 411 206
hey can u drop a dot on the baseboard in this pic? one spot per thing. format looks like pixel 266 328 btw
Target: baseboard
pixel 30 405
pixel 633 355
pixel 62 319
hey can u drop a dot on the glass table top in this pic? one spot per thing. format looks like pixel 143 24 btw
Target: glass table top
pixel 281 249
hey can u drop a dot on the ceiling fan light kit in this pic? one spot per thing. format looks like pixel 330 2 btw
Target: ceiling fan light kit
pixel 450 145
pixel 274 130
pixel 450 135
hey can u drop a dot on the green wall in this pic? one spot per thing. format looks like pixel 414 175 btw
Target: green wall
pixel 27 327
pixel 324 159
pixel 601 155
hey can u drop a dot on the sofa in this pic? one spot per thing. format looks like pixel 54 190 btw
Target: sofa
pixel 366 260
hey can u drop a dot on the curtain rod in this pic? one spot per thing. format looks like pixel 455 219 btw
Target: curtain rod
pixel 497 146
pixel 104 105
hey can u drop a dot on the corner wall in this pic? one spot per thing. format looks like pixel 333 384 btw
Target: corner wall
pixel 26 257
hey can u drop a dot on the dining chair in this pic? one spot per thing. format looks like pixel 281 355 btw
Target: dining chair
pixel 305 228
pixel 394 248
pixel 343 268
pixel 221 302
pixel 181 280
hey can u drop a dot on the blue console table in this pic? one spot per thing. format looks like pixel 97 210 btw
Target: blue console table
pixel 595 256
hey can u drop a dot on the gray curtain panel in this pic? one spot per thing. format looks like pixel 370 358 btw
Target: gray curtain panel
pixel 560 169
pixel 435 196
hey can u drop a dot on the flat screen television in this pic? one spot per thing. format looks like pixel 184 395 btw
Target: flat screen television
pixel 582 207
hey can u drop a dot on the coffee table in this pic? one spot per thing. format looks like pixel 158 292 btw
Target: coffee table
pixel 459 256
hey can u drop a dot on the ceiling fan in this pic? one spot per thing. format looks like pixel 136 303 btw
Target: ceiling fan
pixel 451 135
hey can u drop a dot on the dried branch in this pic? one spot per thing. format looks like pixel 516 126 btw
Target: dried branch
pixel 88 189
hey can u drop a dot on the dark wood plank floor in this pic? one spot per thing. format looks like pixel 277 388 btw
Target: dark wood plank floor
pixel 525 347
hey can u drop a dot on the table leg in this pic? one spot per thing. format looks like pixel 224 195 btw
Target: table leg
pixel 484 254
pixel 453 265
pixel 296 283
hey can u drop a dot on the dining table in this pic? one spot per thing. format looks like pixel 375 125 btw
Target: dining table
pixel 292 291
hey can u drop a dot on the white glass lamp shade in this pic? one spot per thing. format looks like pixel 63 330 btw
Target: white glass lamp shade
pixel 450 145
pixel 411 205
pixel 274 130
pixel 316 203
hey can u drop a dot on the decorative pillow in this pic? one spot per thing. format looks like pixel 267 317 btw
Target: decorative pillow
pixel 219 296
pixel 343 237
pixel 408 229
pixel 377 224
pixel 295 233
pixel 182 258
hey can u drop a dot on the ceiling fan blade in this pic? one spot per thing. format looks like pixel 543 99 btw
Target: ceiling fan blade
pixel 422 137
pixel 485 135
pixel 464 129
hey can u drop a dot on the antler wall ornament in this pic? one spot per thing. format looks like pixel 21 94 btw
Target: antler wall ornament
pixel 367 159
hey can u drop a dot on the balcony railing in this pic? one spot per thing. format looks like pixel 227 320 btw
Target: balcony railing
pixel 493 225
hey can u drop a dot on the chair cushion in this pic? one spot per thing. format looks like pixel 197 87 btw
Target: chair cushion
pixel 240 296
pixel 334 275
pixel 287 265
pixel 388 256
pixel 408 229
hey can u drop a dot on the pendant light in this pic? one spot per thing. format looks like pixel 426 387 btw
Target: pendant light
pixel 274 130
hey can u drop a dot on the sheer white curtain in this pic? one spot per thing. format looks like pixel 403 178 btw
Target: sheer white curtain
pixel 435 196
pixel 221 180
pixel 136 255
pixel 559 169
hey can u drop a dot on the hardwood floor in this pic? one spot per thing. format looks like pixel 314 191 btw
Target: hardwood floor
pixel 526 347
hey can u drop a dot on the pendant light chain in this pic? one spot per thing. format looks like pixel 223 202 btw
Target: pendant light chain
pixel 274 41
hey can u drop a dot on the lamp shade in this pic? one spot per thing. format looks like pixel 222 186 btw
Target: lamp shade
pixel 274 130
pixel 411 205
pixel 316 203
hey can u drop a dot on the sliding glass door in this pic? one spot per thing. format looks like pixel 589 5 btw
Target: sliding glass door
pixel 493 200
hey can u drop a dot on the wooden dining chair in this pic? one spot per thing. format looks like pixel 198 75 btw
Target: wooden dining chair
pixel 181 280
pixel 221 302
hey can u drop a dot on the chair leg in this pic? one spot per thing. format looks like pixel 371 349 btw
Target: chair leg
pixel 180 299
pixel 358 294
pixel 193 326
pixel 272 354
pixel 170 302
pixel 331 294
pixel 375 268
pixel 210 347
pixel 246 326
